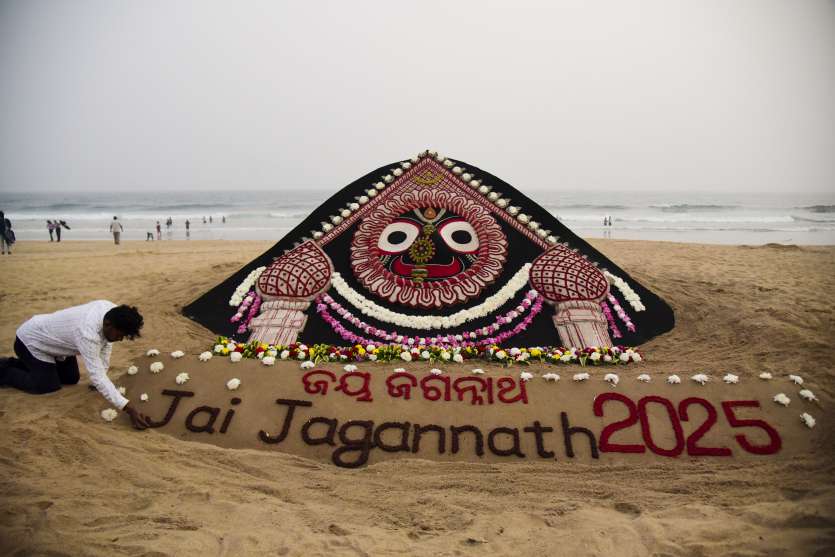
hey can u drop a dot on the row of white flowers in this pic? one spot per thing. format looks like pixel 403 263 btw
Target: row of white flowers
pixel 244 287
pixel 630 295
pixel 426 322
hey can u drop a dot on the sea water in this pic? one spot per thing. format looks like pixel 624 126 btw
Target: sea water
pixel 725 218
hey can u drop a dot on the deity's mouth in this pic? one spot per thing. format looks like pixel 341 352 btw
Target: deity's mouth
pixel 427 270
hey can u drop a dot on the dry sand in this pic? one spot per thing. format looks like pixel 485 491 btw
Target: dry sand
pixel 74 485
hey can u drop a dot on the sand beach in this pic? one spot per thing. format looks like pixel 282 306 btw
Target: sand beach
pixel 72 484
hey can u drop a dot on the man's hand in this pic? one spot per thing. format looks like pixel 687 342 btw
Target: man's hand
pixel 139 420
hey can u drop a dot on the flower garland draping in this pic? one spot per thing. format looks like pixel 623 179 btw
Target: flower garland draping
pixel 615 355
pixel 629 295
pixel 610 318
pixel 532 300
pixel 630 326
pixel 244 287
pixel 426 322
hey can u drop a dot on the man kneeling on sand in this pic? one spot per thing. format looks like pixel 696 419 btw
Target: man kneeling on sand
pixel 46 347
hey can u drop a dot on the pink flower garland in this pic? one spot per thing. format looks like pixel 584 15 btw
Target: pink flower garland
pixel 253 311
pixel 611 319
pixel 451 340
pixel 243 307
pixel 622 314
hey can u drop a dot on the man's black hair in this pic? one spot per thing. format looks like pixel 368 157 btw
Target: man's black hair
pixel 127 319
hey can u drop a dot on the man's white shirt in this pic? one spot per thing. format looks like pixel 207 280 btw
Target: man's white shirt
pixel 75 331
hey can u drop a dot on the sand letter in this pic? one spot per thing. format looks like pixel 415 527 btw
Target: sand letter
pixel 568 431
pixel 174 404
pixel 288 419
pixel 537 429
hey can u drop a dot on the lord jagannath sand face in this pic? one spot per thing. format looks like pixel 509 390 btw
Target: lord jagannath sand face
pixel 435 251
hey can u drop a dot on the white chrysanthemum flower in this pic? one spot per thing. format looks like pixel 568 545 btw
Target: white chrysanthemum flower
pixel 436 371
pixel 808 420
pixel 156 367
pixel 144 397
pixel 272 352
pixel 122 390
pixel 551 377
pixel 782 399
pixel 372 357
pixel 581 377
pixel 700 378
pixel 806 394
pixel 796 379
pixel 636 357
pixel 624 357
pixel 235 357
pixel 765 376
pixel 399 370
pixel 152 352
pixel 594 356
pixel 406 356
pixel 445 356
pixel 501 355
pixel 133 370
pixel 515 351
pixel 268 360
pixel 731 379
pixel 607 358
pixel 308 365
pixel 458 358
pixel 673 379
pixel 182 378
pixel 612 378
pixel 177 354
pixel 526 376
pixel 233 384
pixel 205 356
pixel 109 414
pixel 477 371
pixel 350 367
pixel 231 346
pixel 284 354
pixel 644 378
pixel 425 354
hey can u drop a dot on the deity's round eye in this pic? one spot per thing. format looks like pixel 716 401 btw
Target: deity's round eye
pixel 398 236
pixel 459 235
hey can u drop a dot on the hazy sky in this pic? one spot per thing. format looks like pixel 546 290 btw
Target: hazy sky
pixel 654 95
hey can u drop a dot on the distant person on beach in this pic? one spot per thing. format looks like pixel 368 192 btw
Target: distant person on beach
pixel 188 224
pixel 7 237
pixel 47 345
pixel 51 228
pixel 210 219
pixel 204 220
pixel 59 224
pixel 116 228
pixel 224 219
pixel 159 231
pixel 149 236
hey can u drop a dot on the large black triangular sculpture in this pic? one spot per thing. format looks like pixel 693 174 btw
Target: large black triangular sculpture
pixel 435 236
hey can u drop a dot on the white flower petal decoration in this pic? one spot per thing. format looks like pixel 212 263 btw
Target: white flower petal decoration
pixel 551 377
pixel 308 365
pixel 525 376
pixel 782 399
pixel 235 357
pixel 284 354
pixel 673 379
pixel 765 376
pixel 122 390
pixel 205 356
pixel 144 397
pixel 731 379
pixel 457 358
pixel 233 384
pixel 806 394
pixel 156 367
pixel 436 371
pixel 477 371
pixel 700 378
pixel 581 377
pixel 109 414
pixel 152 352
pixel 399 370
pixel 133 370
pixel 808 420
pixel 177 354
pixel 612 378
pixel 350 367
pixel 644 378
pixel 182 378
pixel 796 379
pixel 268 360
pixel 406 356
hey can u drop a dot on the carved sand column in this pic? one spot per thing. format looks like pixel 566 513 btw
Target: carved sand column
pixel 575 287
pixel 288 286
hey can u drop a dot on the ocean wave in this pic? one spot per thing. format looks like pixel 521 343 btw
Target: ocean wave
pixel 686 207
pixel 775 219
pixel 819 208
pixel 806 219
pixel 603 207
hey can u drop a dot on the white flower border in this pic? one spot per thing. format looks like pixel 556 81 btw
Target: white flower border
pixel 630 295
pixel 244 287
pixel 426 322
